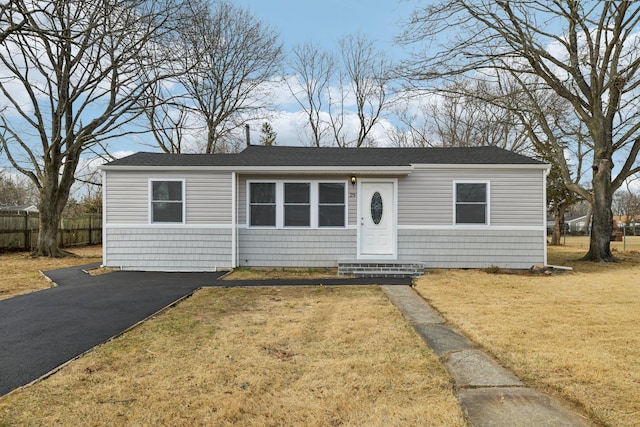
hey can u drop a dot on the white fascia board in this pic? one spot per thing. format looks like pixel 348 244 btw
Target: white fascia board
pixel 328 170
pixel 273 170
pixel 544 166
pixel 168 168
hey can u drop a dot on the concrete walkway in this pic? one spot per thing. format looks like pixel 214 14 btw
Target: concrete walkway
pixel 489 394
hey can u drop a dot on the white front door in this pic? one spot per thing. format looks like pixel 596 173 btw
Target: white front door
pixel 377 220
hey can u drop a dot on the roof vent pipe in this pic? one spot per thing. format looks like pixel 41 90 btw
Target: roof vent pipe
pixel 248 136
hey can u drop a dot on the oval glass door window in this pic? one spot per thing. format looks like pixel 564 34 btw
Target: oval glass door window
pixel 376 208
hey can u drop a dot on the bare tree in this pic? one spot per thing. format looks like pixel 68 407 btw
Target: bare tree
pixel 626 204
pixel 559 199
pixel 458 116
pixel 314 70
pixel 367 71
pixel 331 92
pixel 462 116
pixel 16 191
pixel 226 58
pixel 167 117
pixel 71 81
pixel 412 127
pixel 583 52
pixel 13 17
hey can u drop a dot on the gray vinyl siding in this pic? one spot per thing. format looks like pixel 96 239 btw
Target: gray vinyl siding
pixel 295 248
pixel 425 197
pixel 207 194
pixel 472 248
pixel 168 248
pixel 425 217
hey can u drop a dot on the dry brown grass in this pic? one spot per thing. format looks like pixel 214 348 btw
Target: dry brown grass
pixel 245 273
pixel 292 356
pixel 20 274
pixel 575 334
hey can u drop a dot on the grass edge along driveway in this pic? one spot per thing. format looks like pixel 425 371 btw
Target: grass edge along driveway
pixel 260 356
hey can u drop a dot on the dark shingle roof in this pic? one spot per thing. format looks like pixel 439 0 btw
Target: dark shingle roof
pixel 284 156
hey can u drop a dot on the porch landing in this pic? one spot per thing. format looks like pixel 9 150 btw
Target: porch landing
pixel 380 268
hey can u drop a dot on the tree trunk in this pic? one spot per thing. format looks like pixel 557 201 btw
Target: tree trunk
pixel 211 138
pixel 602 216
pixel 48 238
pixel 558 226
pixel 51 205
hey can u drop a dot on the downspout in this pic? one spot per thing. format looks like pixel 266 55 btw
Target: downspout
pixel 545 172
pixel 234 216
pixel 104 218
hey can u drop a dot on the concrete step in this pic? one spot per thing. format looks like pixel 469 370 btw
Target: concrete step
pixel 380 269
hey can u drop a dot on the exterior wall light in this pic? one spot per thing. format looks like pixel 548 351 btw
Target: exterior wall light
pixel 353 180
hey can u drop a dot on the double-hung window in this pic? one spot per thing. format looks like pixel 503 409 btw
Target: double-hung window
pixel 262 204
pixel 167 201
pixel 331 206
pixel 471 203
pixel 284 204
pixel 297 204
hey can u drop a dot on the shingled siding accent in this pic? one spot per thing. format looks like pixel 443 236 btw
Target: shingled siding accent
pixel 208 196
pixel 425 197
pixel 168 248
pixel 295 247
pixel 472 248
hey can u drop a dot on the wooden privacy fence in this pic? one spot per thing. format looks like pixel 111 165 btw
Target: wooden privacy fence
pixel 20 230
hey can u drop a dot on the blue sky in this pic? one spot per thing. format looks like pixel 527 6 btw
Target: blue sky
pixel 297 22
pixel 325 22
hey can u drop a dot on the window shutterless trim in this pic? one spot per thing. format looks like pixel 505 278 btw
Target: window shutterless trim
pixel 300 204
pixel 486 203
pixel 183 200
pixel 333 204
pixel 314 205
pixel 250 204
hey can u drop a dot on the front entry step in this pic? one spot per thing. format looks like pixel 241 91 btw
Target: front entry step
pixel 368 268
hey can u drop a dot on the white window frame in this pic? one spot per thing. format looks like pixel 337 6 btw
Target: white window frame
pixel 317 205
pixel 248 197
pixel 284 204
pixel 487 203
pixel 313 201
pixel 183 201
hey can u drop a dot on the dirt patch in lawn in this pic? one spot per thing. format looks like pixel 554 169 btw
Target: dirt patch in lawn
pixel 574 335
pixel 99 271
pixel 20 273
pixel 321 356
pixel 245 273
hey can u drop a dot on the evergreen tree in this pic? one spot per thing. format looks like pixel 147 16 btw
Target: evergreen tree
pixel 268 135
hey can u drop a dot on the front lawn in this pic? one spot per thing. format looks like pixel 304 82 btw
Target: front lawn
pixel 312 356
pixel 575 334
pixel 20 273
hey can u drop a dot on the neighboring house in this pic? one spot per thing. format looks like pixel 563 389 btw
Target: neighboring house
pixel 471 207
pixel 19 209
pixel 572 224
pixel 577 224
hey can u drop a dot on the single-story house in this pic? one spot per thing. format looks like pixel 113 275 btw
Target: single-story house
pixel 21 209
pixel 463 207
pixel 572 224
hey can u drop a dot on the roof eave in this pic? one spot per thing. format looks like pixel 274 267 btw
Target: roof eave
pixel 481 166
pixel 271 170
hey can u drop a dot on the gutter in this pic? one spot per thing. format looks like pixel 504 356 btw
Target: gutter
pixel 273 170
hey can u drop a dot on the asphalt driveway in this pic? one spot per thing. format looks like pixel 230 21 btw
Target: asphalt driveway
pixel 42 330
